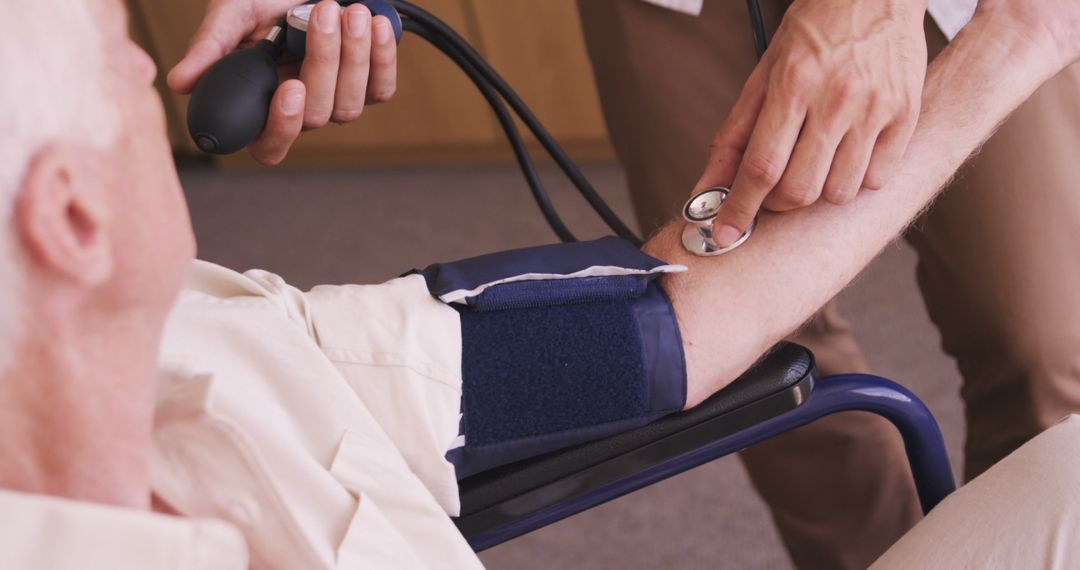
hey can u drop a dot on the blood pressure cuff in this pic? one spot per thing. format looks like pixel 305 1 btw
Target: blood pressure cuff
pixel 561 345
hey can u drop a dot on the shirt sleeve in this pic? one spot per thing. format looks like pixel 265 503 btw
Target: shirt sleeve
pixel 43 532
pixel 398 348
pixel 692 7
pixel 951 15
pixel 400 351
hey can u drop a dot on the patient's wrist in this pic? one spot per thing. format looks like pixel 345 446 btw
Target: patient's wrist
pixel 1032 31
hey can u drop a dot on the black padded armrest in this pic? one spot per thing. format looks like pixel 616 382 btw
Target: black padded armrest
pixel 776 384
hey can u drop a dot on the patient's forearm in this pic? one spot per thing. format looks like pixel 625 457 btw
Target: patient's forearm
pixel 731 309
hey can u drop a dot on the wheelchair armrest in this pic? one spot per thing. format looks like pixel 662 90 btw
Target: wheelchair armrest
pixel 778 383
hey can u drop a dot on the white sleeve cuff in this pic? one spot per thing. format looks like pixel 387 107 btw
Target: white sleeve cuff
pixel 41 532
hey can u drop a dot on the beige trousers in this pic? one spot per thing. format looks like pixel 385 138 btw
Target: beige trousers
pixel 1024 512
pixel 999 268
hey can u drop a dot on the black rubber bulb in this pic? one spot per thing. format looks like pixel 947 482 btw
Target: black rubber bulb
pixel 229 106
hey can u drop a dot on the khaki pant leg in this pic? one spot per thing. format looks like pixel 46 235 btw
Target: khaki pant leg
pixel 661 107
pixel 666 81
pixel 999 266
pixel 1022 513
pixel 840 489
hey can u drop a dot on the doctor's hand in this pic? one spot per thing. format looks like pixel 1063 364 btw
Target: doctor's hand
pixel 351 61
pixel 827 112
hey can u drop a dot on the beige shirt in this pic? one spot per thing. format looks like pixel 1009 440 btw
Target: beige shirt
pixel 311 424
pixel 43 533
pixel 950 15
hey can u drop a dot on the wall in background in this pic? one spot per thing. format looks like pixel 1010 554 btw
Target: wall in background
pixel 437 114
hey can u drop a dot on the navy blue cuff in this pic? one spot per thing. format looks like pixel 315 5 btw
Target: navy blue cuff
pixel 562 345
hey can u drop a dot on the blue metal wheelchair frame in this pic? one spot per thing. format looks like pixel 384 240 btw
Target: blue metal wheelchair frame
pixel 923 442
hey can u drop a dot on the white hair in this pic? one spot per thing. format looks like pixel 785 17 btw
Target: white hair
pixel 53 88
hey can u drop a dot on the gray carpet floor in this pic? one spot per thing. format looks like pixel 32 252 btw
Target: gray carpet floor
pixel 369 225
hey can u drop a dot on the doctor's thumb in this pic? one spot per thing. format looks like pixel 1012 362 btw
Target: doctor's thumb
pixel 225 26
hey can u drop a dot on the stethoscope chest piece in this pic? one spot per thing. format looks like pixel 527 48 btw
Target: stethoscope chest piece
pixel 699 212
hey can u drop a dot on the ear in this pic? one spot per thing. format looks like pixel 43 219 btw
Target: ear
pixel 62 215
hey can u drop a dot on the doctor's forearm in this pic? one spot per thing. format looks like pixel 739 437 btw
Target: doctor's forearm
pixel 731 309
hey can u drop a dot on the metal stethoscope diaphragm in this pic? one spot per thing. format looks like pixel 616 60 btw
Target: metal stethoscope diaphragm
pixel 700 212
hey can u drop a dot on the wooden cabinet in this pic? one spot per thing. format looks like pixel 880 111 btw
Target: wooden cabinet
pixel 437 114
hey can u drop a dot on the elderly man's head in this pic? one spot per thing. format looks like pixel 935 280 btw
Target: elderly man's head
pixel 94 223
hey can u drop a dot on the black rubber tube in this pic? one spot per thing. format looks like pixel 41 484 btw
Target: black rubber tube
pixel 465 53
pixel 757 26
pixel 506 121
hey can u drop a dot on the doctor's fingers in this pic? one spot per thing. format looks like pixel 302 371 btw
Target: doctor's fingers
pixel 890 148
pixel 226 24
pixel 368 72
pixel 283 125
pixel 871 139
pixel 729 142
pixel 322 62
pixel 763 163
pixel 849 167
pixel 827 122
pixel 352 78
pixel 383 83
pixel 350 62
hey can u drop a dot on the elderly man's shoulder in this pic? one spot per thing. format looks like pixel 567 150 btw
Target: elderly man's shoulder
pixel 209 284
pixel 225 309
pixel 398 317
